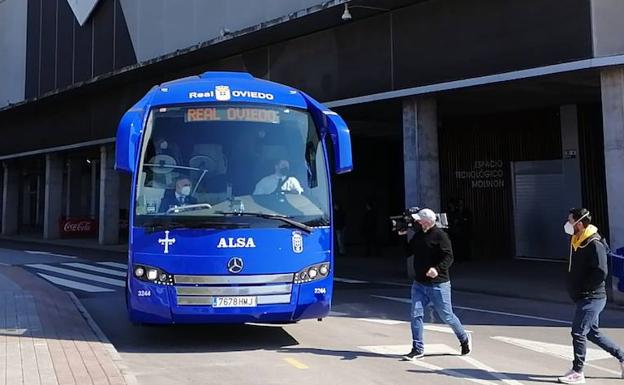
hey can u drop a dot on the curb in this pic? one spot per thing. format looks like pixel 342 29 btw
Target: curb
pixel 129 378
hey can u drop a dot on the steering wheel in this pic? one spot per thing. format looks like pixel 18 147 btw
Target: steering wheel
pixel 196 206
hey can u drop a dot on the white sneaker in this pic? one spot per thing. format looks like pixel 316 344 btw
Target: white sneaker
pixel 572 377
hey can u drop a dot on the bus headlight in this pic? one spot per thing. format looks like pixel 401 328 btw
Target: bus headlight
pixel 312 273
pixel 153 275
pixel 139 271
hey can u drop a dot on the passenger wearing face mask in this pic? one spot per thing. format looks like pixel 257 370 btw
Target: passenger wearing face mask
pixel 587 272
pixel 280 181
pixel 181 196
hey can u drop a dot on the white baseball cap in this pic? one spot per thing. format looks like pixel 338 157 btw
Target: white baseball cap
pixel 425 214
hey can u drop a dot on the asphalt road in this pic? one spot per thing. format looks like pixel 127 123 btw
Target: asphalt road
pixel 515 341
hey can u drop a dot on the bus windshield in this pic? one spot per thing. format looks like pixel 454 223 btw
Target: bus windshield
pixel 223 164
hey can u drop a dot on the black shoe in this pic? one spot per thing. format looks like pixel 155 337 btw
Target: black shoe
pixel 414 355
pixel 466 346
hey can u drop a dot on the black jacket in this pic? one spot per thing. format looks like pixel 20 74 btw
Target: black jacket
pixel 169 199
pixel 587 270
pixel 431 249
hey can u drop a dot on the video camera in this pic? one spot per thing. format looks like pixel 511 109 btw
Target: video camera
pixel 405 221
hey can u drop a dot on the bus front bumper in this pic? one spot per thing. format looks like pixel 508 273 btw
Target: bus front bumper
pixel 157 304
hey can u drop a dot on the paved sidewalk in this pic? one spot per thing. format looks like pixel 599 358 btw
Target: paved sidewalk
pixel 78 243
pixel 46 340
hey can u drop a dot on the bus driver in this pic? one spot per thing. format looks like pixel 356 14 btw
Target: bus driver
pixel 278 180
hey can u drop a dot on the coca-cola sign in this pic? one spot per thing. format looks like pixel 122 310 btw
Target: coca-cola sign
pixel 77 227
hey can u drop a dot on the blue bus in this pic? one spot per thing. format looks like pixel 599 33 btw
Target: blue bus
pixel 231 218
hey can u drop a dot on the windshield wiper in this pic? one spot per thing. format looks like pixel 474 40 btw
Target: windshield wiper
pixel 170 225
pixel 277 217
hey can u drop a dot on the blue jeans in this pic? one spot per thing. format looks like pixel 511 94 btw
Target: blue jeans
pixel 585 327
pixel 437 295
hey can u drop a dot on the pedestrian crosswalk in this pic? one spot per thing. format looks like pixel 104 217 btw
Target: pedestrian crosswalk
pixel 87 277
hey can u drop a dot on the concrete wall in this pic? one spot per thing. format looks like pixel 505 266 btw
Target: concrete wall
pixel 12 40
pixel 607 27
pixel 191 22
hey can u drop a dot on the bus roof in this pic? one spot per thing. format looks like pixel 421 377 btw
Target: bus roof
pixel 215 87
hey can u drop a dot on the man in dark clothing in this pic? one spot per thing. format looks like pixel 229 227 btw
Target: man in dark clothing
pixel 432 258
pixel 587 272
pixel 340 223
pixel 179 197
pixel 369 230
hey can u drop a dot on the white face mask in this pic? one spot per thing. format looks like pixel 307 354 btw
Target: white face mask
pixel 569 227
pixel 186 190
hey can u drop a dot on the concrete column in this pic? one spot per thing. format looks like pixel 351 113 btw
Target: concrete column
pixel 10 197
pixel 109 198
pixel 420 153
pixel 571 162
pixel 38 199
pixel 53 205
pixel 612 90
pixel 73 206
pixel 94 186
pixel 26 206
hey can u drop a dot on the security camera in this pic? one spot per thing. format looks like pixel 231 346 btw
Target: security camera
pixel 346 15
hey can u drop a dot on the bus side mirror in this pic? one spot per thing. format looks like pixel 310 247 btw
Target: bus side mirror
pixel 341 139
pixel 128 136
pixel 330 122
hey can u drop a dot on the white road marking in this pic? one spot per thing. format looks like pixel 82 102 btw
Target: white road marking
pixel 348 280
pixel 433 328
pixel 442 329
pixel 515 315
pixel 114 264
pixel 77 274
pixel 382 321
pixel 557 350
pixel 396 299
pixel 543 260
pixel 48 253
pixel 84 266
pixel 74 284
pixel 434 349
pixel 481 366
pixel 337 314
pixel 407 300
pixel 560 351
pixel 393 283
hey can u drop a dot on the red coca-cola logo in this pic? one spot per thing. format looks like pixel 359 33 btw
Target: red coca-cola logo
pixel 79 227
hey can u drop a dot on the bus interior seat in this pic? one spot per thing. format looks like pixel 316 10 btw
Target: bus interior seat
pixel 209 157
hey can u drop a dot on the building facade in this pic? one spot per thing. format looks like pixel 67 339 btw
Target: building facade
pixel 513 108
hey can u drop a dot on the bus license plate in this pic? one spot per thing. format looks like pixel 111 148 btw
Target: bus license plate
pixel 234 302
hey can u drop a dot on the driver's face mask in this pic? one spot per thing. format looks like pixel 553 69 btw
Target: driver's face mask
pixel 569 227
pixel 185 190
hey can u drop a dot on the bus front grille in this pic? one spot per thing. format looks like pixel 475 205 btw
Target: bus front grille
pixel 268 289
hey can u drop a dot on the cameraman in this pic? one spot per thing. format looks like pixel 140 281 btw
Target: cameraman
pixel 432 257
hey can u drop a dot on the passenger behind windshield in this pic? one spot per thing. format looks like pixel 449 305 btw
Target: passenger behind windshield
pixel 279 181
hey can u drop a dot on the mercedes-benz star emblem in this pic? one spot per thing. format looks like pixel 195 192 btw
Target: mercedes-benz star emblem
pixel 235 265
